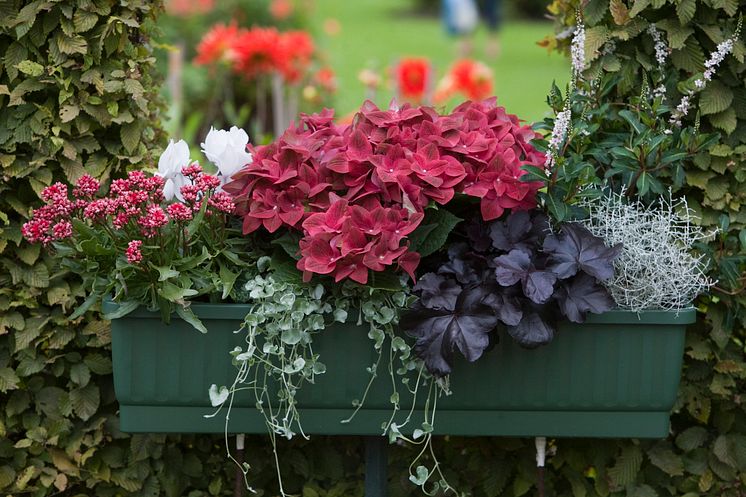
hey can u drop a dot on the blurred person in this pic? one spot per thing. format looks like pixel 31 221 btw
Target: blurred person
pixel 493 15
pixel 461 18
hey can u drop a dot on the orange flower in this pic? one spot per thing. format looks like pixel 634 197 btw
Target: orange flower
pixel 412 77
pixel 217 45
pixel 257 51
pixel 472 78
pixel 326 78
pixel 294 53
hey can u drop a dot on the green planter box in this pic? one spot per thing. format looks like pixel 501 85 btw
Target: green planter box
pixel 616 375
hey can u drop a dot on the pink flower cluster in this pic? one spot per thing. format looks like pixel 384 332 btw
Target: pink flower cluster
pixel 380 173
pixel 51 222
pixel 133 206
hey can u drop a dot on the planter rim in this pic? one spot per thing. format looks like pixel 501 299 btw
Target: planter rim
pixel 234 312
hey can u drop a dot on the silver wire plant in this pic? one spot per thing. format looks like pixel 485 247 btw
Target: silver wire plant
pixel 658 267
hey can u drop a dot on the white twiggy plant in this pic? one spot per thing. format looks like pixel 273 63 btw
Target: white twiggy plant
pixel 657 268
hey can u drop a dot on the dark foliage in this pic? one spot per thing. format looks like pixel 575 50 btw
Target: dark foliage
pixel 515 272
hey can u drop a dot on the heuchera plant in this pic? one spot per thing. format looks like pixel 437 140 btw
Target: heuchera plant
pixel 517 273
pixel 353 194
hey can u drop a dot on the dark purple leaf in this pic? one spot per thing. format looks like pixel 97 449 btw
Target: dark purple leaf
pixel 577 249
pixel 506 306
pixel 532 331
pixel 520 230
pixel 581 295
pixel 437 292
pixel 439 333
pixel 479 236
pixel 516 266
pixel 460 265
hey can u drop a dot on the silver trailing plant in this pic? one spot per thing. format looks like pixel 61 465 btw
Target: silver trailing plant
pixel 658 267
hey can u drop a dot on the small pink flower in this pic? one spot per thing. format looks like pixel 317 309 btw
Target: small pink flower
pixel 190 193
pixel 121 220
pixel 119 186
pixel 133 253
pixel 54 193
pixel 193 170
pixel 180 212
pixel 100 208
pixel 37 231
pixel 222 202
pixel 207 182
pixel 86 187
pixel 154 218
pixel 62 230
pixel 137 179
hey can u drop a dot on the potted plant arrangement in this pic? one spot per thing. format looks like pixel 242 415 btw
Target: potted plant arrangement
pixel 403 245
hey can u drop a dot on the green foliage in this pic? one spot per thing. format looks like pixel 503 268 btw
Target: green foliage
pixel 704 455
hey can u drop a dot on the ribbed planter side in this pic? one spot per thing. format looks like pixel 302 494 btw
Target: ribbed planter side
pixel 614 376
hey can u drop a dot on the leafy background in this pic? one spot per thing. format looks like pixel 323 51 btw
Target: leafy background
pixel 78 92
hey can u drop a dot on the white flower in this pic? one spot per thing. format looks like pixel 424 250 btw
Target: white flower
pixel 175 157
pixel 227 150
pixel 577 50
pixel 561 127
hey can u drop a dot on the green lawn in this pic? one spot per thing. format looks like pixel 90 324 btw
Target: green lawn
pixel 374 33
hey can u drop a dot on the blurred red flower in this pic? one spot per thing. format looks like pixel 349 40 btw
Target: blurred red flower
pixel 218 44
pixel 186 8
pixel 412 78
pixel 281 9
pixel 471 78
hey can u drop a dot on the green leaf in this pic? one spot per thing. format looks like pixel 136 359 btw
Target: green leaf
pixel 188 315
pixel 130 134
pixel 80 374
pixel 725 120
pixel 8 380
pixel 85 401
pixel 716 97
pixel 92 298
pixel 665 459
pixel 632 119
pixel 638 6
pixel 123 308
pixel 433 232
pixel 691 438
pixel 69 112
pixel 228 279
pixel 165 272
pixel 30 68
pixel 627 466
pixel 289 242
pixel 175 293
pixel 284 270
pixel 686 10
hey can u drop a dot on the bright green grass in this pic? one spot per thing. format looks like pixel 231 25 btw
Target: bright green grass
pixel 375 33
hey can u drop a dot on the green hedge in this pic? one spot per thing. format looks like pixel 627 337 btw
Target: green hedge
pixel 706 452
pixel 78 93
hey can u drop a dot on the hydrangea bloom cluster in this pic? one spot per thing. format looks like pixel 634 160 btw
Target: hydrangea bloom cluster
pixel 132 211
pixel 355 192
pixel 257 51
